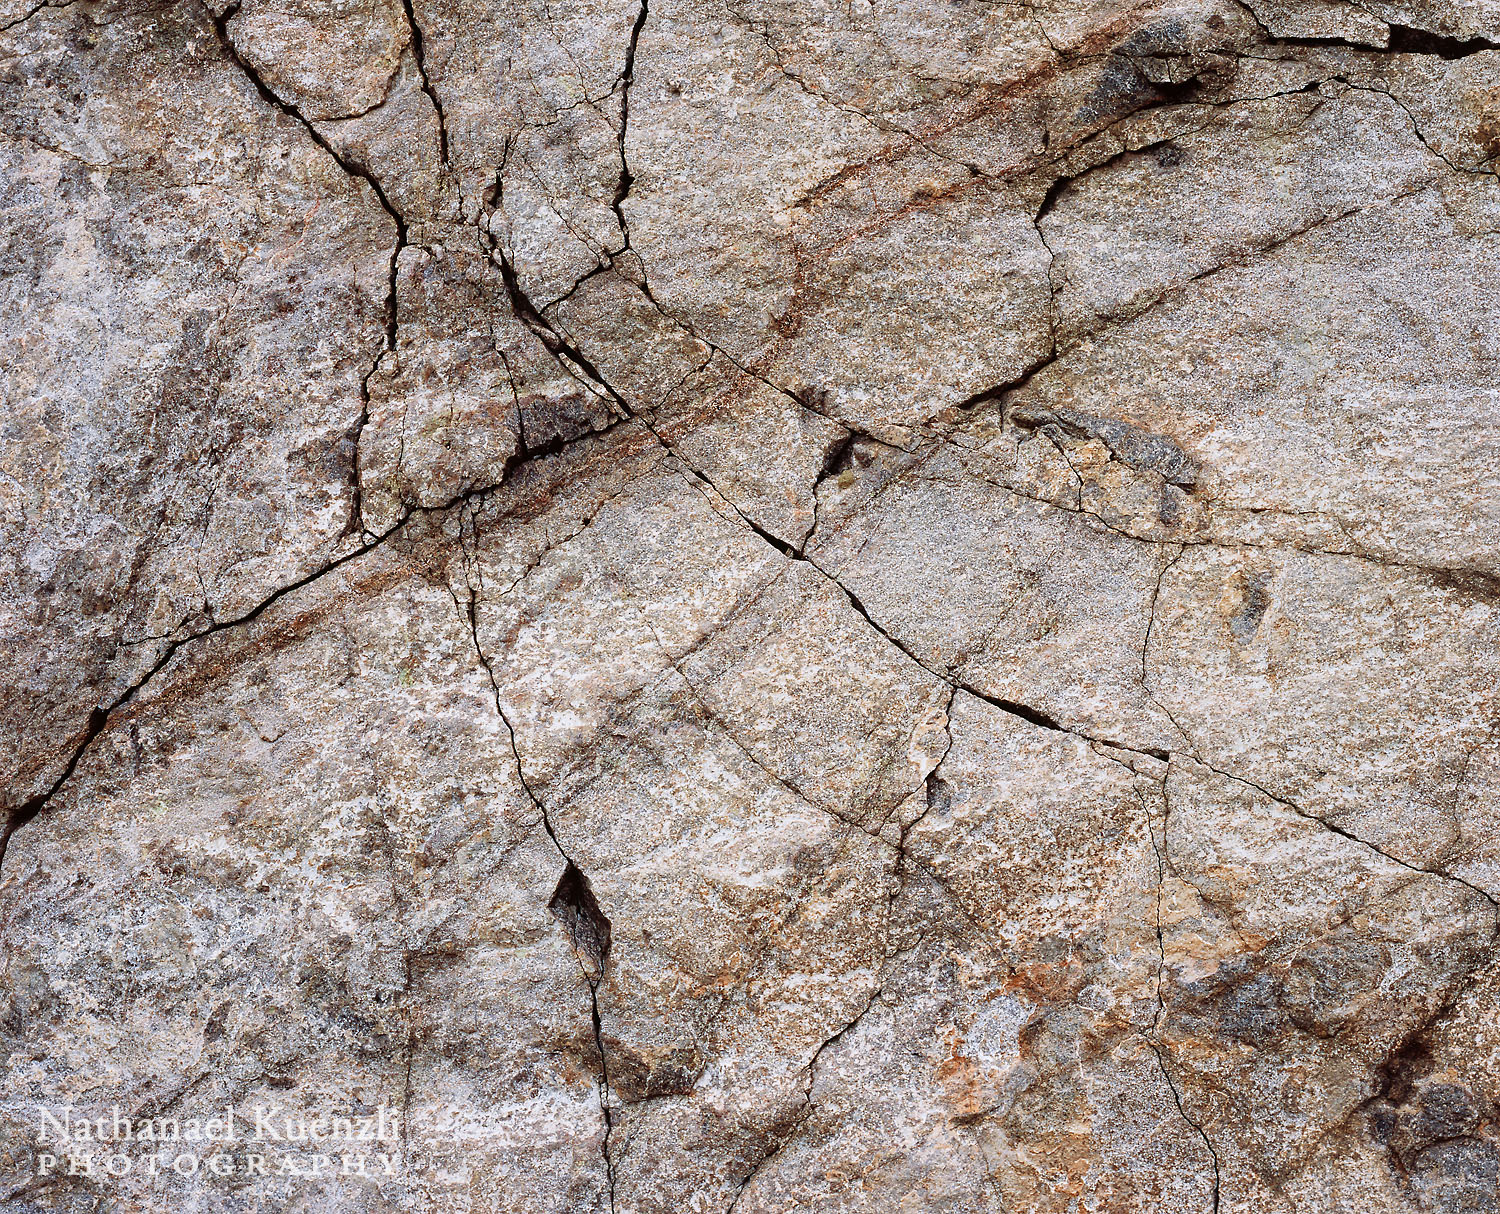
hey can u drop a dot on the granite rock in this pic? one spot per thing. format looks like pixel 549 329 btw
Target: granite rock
pixel 725 606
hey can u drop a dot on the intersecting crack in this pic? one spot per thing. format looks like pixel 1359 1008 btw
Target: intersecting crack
pixel 356 522
pixel 100 717
pixel 573 902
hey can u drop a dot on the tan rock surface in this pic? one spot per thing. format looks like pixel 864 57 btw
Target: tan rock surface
pixel 747 608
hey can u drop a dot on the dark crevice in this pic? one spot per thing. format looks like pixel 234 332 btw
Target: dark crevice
pixel 1402 40
pixel 1031 715
pixel 1057 188
pixel 564 351
pixel 1326 42
pixel 573 903
pixel 525 454
pixel 937 795
pixel 358 171
pixel 627 78
pixel 30 13
pixel 419 54
pixel 604 1095
pixel 17 816
pixel 835 460
pixel 1166 144
pixel 574 906
pixel 787 1131
pixel 604 267
pixel 999 391
pixel 1034 716
pixel 1160 852
pixel 782 546
pixel 1408 41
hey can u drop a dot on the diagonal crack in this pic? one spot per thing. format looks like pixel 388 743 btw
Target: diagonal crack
pixel 18 815
pixel 1161 1061
pixel 1036 717
pixel 99 717
pixel 32 12
pixel 568 356
pixel 809 1105
pixel 1327 824
pixel 1115 321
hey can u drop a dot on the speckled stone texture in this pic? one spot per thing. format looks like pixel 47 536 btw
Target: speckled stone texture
pixel 758 607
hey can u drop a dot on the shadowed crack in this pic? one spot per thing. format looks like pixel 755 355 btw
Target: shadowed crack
pixel 1408 41
pixel 356 523
pixel 32 12
pixel 1401 40
pixel 574 906
pixel 567 355
pixel 419 53
pixel 936 795
pixel 573 902
pixel 627 78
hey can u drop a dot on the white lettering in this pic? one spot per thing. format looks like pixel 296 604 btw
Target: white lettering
pixel 61 1129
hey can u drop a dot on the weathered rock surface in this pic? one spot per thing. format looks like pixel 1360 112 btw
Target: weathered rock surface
pixel 737 606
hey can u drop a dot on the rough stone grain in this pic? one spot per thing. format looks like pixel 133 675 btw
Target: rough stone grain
pixel 741 607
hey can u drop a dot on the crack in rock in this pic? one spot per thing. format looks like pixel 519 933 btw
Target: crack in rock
pixel 896 759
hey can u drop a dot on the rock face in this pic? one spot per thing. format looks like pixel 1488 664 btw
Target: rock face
pixel 726 605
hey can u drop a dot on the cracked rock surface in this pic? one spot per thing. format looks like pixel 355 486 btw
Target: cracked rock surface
pixel 736 606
